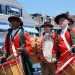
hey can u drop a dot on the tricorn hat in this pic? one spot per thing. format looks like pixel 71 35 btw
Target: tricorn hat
pixel 47 24
pixel 63 15
pixel 15 18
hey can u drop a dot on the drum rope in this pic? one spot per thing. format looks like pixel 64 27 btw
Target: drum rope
pixel 4 71
pixel 65 72
pixel 72 66
pixel 19 68
pixel 11 69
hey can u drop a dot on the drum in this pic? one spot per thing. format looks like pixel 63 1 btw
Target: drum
pixel 35 42
pixel 12 67
pixel 35 56
pixel 68 67
pixel 47 46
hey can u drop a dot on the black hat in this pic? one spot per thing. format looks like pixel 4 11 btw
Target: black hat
pixel 71 21
pixel 63 15
pixel 15 18
pixel 47 24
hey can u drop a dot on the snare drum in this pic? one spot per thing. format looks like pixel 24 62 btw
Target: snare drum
pixel 67 68
pixel 12 67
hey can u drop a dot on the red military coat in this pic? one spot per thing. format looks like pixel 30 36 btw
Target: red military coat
pixel 17 43
pixel 62 46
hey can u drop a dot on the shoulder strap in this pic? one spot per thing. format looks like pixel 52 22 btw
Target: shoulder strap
pixel 22 38
pixel 7 41
pixel 72 37
pixel 57 41
pixel 57 47
pixel 27 60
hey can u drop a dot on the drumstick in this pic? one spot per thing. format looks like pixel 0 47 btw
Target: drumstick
pixel 67 51
pixel 14 52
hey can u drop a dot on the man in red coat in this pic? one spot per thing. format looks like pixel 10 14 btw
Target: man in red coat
pixel 15 38
pixel 66 37
pixel 48 67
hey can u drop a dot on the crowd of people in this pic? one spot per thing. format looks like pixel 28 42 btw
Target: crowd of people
pixel 63 41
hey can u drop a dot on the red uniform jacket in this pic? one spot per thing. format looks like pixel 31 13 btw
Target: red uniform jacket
pixel 17 44
pixel 62 46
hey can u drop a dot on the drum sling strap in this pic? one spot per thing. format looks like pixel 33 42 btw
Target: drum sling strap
pixel 72 37
pixel 57 41
pixel 27 61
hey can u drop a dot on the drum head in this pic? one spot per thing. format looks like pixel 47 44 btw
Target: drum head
pixel 47 46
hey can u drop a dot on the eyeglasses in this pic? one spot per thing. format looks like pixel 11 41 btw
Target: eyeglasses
pixel 61 19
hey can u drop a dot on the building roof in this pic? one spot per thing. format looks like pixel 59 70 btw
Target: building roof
pixel 26 17
pixel 10 2
pixel 41 14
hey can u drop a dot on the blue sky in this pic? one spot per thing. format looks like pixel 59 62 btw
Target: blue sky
pixel 48 7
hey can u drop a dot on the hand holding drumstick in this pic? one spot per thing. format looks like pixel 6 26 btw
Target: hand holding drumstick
pixel 19 51
pixel 3 56
pixel 73 46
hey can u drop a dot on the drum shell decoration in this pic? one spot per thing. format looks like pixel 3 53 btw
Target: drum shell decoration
pixel 12 67
pixel 35 56
pixel 35 42
pixel 67 67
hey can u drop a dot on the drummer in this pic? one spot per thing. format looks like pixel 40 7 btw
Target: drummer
pixel 48 68
pixel 66 38
pixel 15 38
